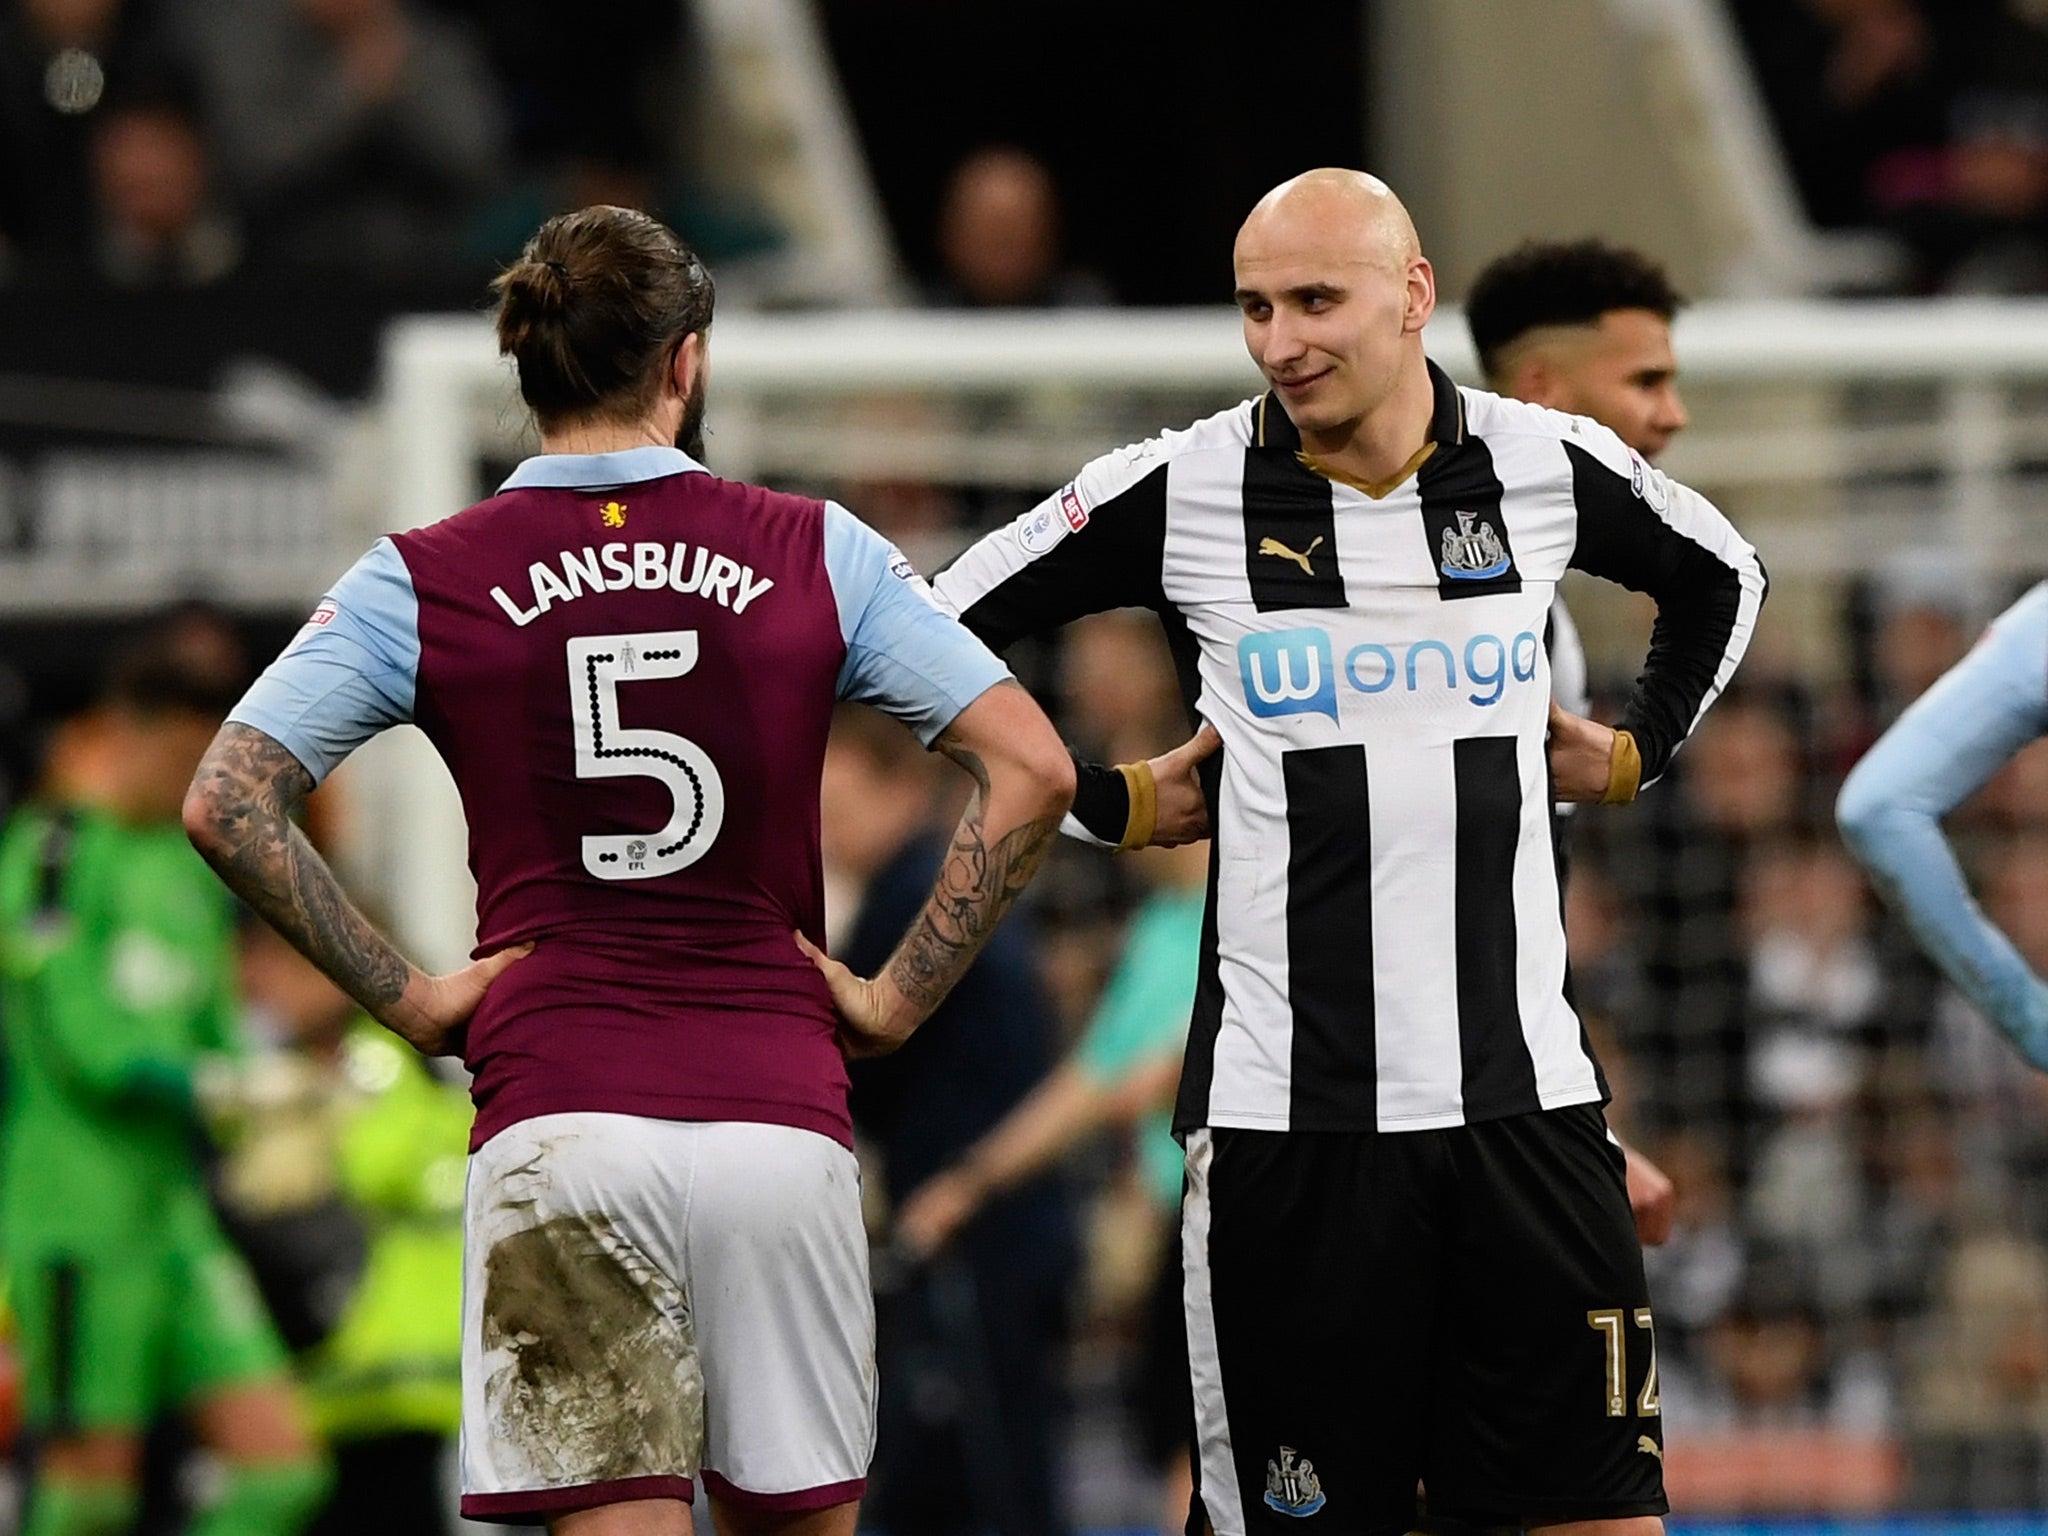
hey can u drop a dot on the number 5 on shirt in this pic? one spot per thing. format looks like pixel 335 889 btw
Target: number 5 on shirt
pixel 599 665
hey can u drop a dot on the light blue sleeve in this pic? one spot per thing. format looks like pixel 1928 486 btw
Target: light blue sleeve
pixel 904 654
pixel 1938 754
pixel 349 673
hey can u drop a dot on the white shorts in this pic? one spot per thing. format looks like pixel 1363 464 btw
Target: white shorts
pixel 642 1299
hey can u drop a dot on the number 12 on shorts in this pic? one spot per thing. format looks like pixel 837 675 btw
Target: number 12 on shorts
pixel 599 665
pixel 1611 1323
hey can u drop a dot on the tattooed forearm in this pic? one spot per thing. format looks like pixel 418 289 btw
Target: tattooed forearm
pixel 239 814
pixel 976 885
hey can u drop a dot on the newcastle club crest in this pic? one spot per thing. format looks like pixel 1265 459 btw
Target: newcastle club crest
pixel 1472 551
pixel 1292 1487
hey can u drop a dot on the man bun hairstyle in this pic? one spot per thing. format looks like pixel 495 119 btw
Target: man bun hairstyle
pixel 1560 283
pixel 593 310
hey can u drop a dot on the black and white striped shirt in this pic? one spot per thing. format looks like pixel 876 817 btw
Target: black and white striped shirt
pixel 1383 947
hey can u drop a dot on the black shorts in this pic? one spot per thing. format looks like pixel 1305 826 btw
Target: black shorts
pixel 1462 1309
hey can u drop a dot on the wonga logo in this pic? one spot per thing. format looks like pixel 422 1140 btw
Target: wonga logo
pixel 1288 672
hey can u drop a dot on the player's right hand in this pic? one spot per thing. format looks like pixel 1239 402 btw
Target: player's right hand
pixel 1183 810
pixel 874 1018
pixel 432 1014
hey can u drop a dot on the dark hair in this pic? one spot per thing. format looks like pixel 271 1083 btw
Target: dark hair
pixel 593 310
pixel 189 660
pixel 1560 283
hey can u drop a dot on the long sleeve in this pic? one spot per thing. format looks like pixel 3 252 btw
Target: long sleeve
pixel 1653 535
pixel 1094 545
pixel 1938 754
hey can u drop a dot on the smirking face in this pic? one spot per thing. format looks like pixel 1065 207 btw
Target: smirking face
pixel 1332 291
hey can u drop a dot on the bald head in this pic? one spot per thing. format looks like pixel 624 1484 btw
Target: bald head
pixel 1335 292
pixel 1339 214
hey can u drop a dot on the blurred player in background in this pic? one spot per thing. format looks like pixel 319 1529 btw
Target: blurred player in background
pixel 119 1000
pixel 1585 328
pixel 1941 751
pixel 629 667
pixel 1123 1072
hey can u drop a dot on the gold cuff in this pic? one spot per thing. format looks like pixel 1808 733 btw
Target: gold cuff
pixel 1144 817
pixel 1624 770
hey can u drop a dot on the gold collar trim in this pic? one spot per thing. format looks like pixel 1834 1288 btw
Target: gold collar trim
pixel 1378 490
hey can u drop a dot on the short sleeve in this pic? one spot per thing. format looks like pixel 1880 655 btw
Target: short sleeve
pixel 349 673
pixel 904 654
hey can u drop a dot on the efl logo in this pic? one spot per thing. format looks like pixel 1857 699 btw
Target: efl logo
pixel 1040 529
pixel 1288 672
pixel 1648 483
pixel 1072 510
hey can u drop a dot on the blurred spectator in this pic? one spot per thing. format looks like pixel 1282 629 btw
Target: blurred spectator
pixel 1696 1274
pixel 1124 1071
pixel 1815 985
pixel 1118 703
pixel 1918 1198
pixel 1000 240
pixel 58 59
pixel 1977 1399
pixel 1119 694
pixel 159 224
pixel 346 1168
pixel 971 1411
pixel 1920 638
pixel 1775 1369
pixel 1860 89
pixel 1677 863
pixel 1997 190
pixel 356 134
pixel 1970 1059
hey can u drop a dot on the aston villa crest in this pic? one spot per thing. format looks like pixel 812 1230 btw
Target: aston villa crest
pixel 1473 551
pixel 1292 1487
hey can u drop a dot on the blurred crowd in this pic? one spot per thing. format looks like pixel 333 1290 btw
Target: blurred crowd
pixel 184 143
pixel 1925 118
pixel 1862 1231
pixel 181 143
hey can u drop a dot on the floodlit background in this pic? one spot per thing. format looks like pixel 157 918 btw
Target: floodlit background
pixel 244 250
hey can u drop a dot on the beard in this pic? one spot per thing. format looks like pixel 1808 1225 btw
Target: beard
pixel 690 430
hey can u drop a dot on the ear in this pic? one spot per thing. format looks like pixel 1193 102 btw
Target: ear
pixel 1421 294
pixel 691 359
pixel 1538 380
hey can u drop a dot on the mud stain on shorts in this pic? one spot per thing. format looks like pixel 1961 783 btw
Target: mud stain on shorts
pixel 602 1379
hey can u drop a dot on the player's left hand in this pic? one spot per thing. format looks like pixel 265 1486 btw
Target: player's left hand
pixel 874 1018
pixel 432 1014
pixel 1651 1196
pixel 1581 755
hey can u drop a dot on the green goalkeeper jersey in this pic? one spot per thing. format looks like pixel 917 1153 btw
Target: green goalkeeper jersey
pixel 116 981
